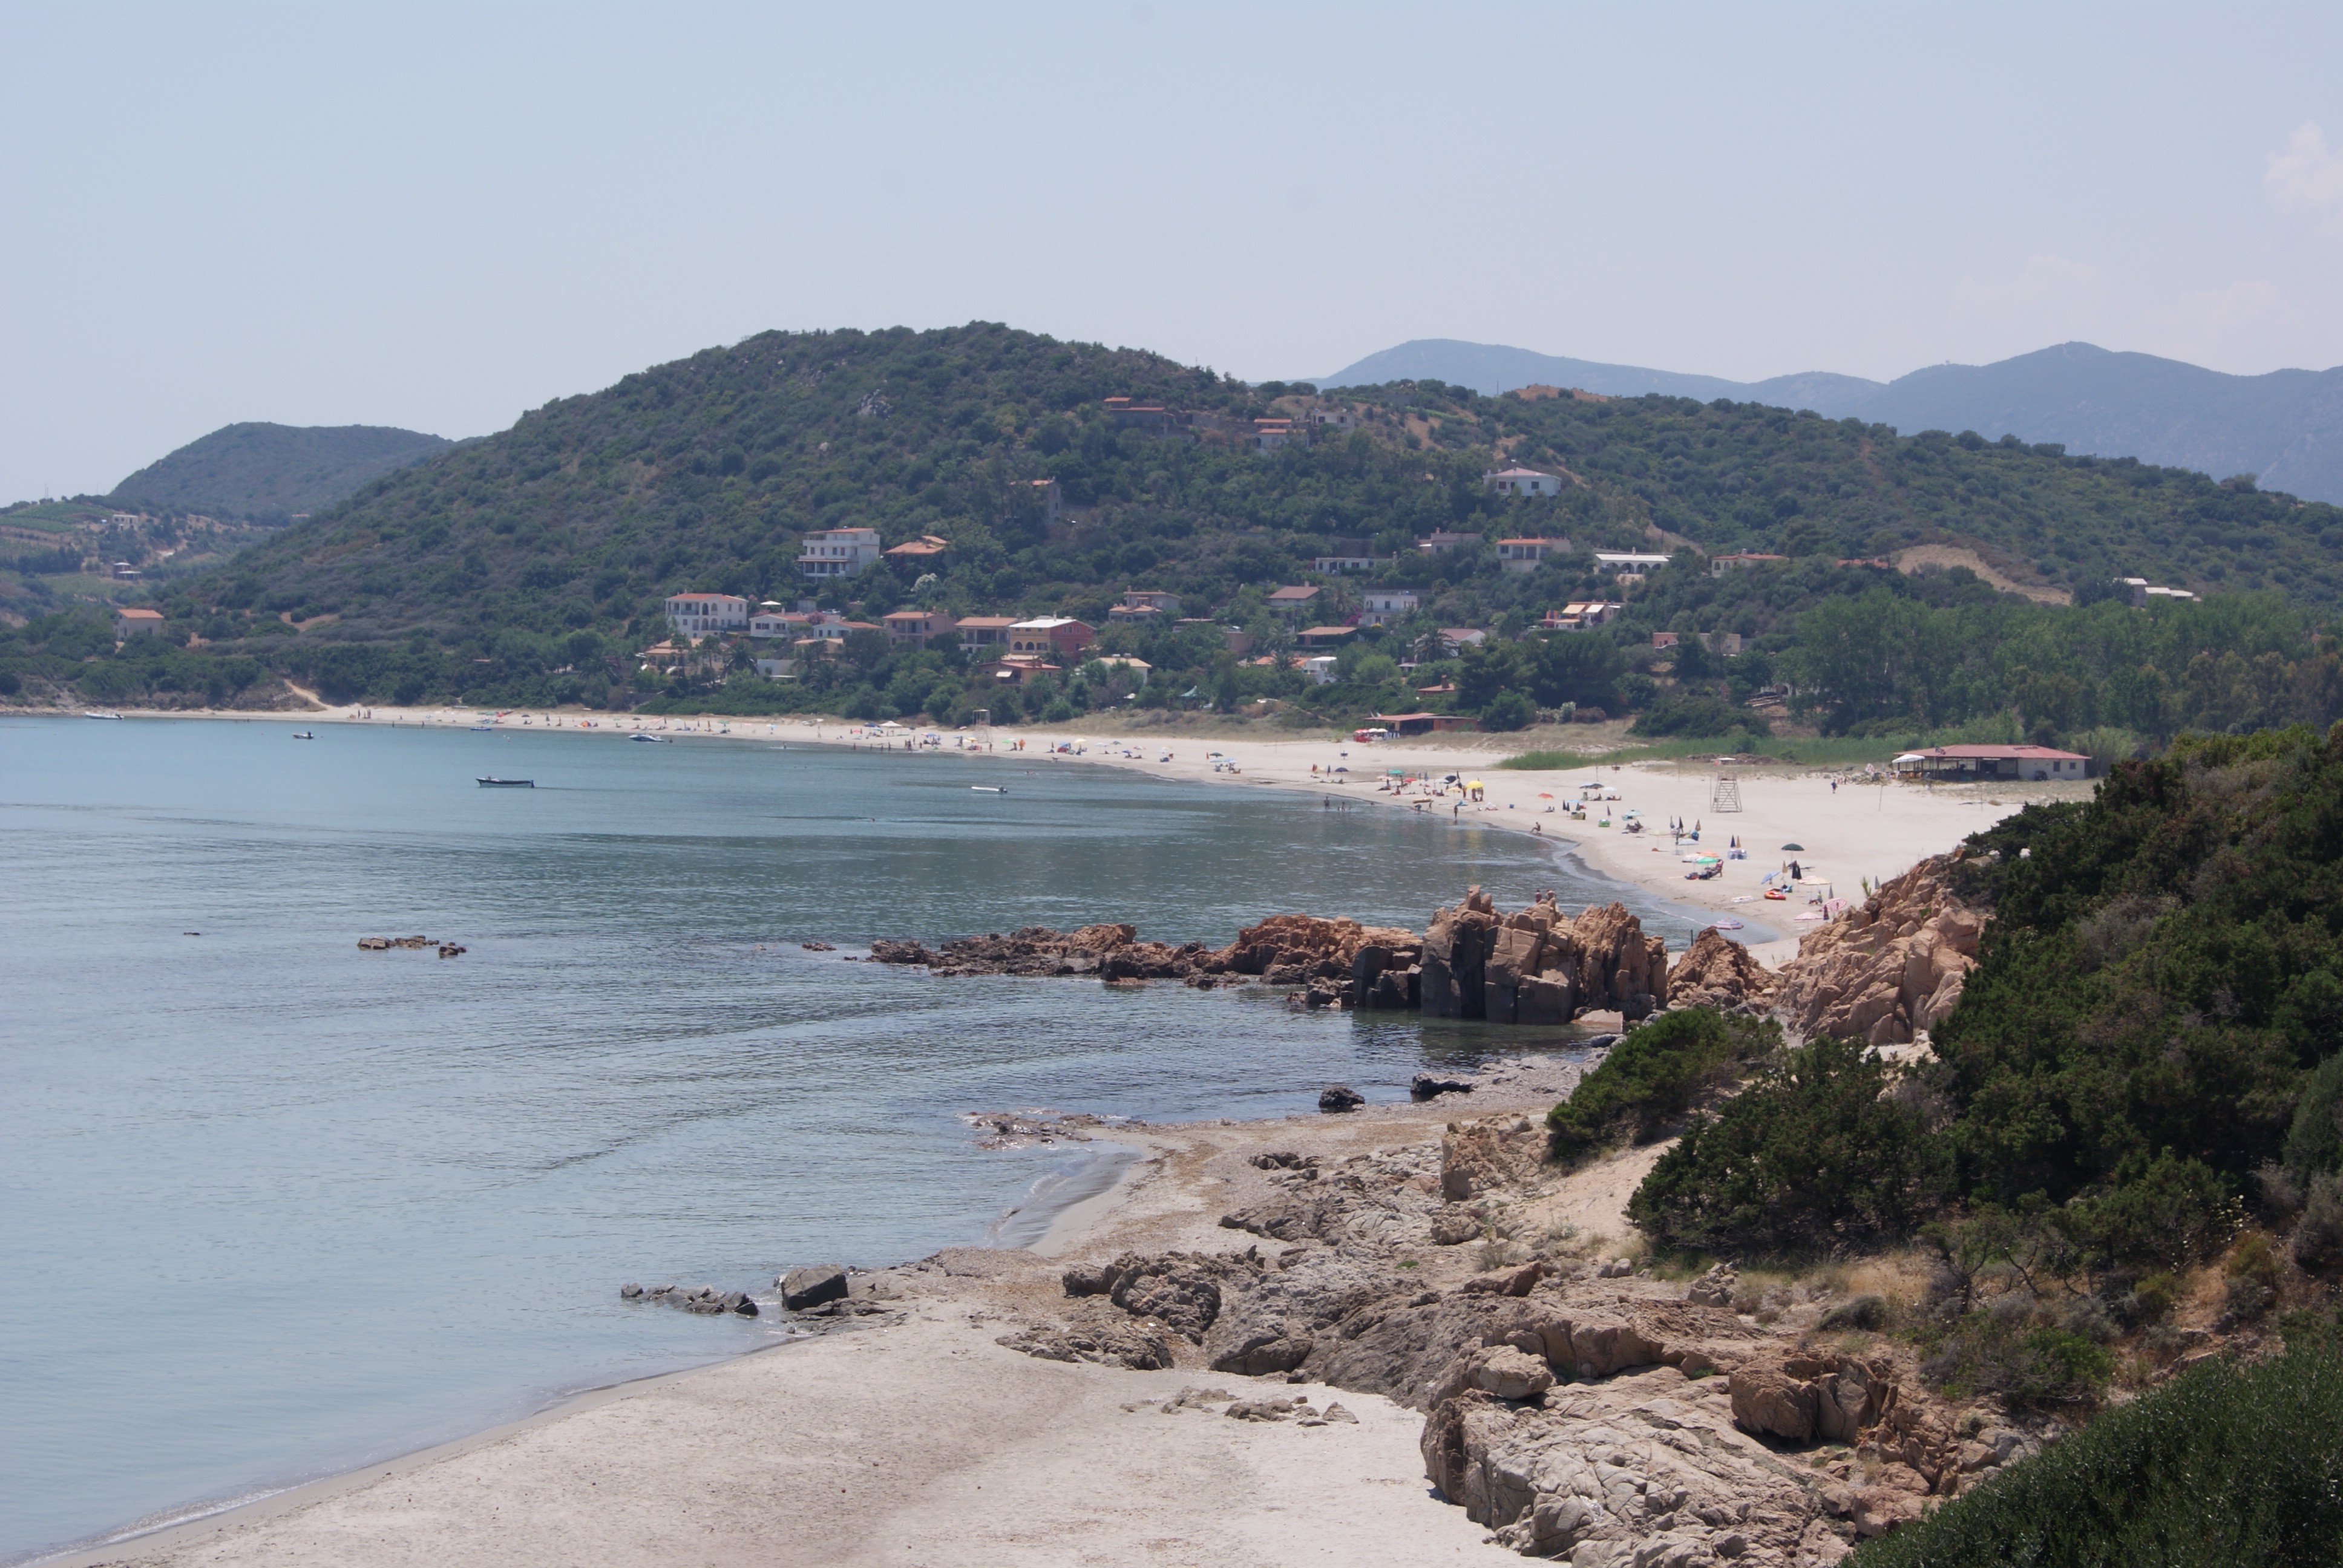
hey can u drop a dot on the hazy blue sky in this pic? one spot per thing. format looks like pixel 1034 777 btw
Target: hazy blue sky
pixel 436 216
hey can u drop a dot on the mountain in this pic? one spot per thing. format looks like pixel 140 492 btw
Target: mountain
pixel 531 567
pixel 2285 427
pixel 271 473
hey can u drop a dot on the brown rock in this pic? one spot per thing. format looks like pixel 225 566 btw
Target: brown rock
pixel 1882 971
pixel 1720 973
pixel 1518 1281
pixel 1483 1156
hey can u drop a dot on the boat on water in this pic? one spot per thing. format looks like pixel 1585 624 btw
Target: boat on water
pixel 480 726
pixel 97 713
pixel 493 782
pixel 305 734
pixel 654 739
pixel 988 790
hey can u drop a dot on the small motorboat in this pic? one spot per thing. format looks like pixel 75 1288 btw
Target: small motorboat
pixel 305 734
pixel 98 713
pixel 478 727
pixel 988 790
pixel 1725 925
pixel 654 739
pixel 493 782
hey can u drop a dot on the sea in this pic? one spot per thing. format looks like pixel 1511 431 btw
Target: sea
pixel 277 1207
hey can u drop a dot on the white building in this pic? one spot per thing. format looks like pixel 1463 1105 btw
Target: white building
pixel 839 552
pixel 1582 615
pixel 1523 482
pixel 1319 667
pixel 1387 604
pixel 707 614
pixel 1630 561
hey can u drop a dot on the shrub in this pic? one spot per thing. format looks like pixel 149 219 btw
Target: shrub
pixel 1653 1074
pixel 2319 1237
pixel 1813 1153
pixel 1508 710
pixel 2222 1465
pixel 1697 713
pixel 2314 1140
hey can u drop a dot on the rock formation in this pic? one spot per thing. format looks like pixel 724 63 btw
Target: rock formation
pixel 1883 972
pixel 1720 973
pixel 1538 966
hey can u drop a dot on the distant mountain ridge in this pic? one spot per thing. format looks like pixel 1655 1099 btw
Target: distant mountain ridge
pixel 271 473
pixel 2285 427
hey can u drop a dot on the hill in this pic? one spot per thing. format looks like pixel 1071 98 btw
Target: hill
pixel 531 565
pixel 271 473
pixel 2285 428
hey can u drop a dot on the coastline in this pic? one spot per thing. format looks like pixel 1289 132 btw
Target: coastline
pixel 1849 830
pixel 971 1466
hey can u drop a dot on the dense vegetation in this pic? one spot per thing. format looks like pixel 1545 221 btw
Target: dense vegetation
pixel 1653 1075
pixel 271 473
pixel 528 567
pixel 2224 1465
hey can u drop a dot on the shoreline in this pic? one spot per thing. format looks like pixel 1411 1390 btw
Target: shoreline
pixel 1158 1196
pixel 1855 832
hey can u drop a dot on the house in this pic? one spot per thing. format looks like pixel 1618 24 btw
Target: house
pixel 1719 565
pixel 1442 542
pixel 776 669
pixel 983 633
pixel 1725 643
pixel 1460 637
pixel 915 627
pixel 1524 554
pixel 837 552
pixel 130 623
pixel 1385 605
pixel 123 572
pixel 2141 592
pixel 1630 561
pixel 1327 416
pixel 1325 636
pixel 768 623
pixel 1270 435
pixel 1582 615
pixel 2034 763
pixel 1045 492
pixel 1319 667
pixel 1292 600
pixel 1664 639
pixel 705 614
pixel 1403 724
pixel 1132 667
pixel 1348 556
pixel 1049 635
pixel 1147 419
pixel 1523 482
pixel 1145 606
pixel 925 553
pixel 1014 669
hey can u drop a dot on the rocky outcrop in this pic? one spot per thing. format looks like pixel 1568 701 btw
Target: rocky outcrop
pixel 1718 973
pixel 1478 1157
pixel 1884 971
pixel 706 1299
pixel 1105 951
pixel 1295 949
pixel 1538 966
pixel 1095 1338
pixel 1340 1097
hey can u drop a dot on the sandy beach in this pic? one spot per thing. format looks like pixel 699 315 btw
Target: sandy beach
pixel 1848 828
pixel 910 1436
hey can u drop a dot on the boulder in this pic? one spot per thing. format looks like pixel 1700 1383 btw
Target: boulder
pixel 1800 1395
pixel 1106 1343
pixel 1719 972
pixel 1714 1287
pixel 1426 1086
pixel 1340 1097
pixel 1180 1289
pixel 811 1287
pixel 1483 1156
pixel 1515 1282
pixel 1456 1224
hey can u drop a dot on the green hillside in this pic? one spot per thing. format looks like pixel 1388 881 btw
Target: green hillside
pixel 271 473
pixel 530 566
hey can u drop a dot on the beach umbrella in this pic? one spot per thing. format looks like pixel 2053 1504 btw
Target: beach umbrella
pixel 1800 848
pixel 1545 795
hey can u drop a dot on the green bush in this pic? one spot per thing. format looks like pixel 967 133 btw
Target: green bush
pixel 2314 1142
pixel 1697 713
pixel 2223 1466
pixel 1508 710
pixel 1813 1153
pixel 2023 1365
pixel 1653 1074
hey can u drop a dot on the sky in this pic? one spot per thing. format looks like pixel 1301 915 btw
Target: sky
pixel 437 216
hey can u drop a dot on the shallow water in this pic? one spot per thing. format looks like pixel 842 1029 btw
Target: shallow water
pixel 277 1207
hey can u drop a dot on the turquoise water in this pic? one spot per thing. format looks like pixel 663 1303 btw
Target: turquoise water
pixel 277 1207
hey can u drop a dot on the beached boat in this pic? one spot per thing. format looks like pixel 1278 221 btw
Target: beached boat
pixel 493 782
pixel 96 713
